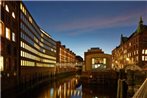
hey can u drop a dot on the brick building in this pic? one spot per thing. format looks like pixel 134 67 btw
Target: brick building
pixel 132 49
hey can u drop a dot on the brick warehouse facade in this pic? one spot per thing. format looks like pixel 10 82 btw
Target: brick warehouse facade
pixel 9 44
pixel 132 49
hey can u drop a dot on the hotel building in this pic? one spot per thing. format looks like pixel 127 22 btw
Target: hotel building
pixel 96 59
pixel 132 49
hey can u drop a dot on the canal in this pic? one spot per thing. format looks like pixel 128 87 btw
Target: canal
pixel 71 87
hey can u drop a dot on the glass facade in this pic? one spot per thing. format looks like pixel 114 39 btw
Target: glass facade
pixel 37 47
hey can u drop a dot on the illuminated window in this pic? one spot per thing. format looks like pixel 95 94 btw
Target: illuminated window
pixel 142 58
pixel 104 60
pixel 1 26
pixel 13 14
pixel 146 51
pixel 6 8
pixel 1 63
pixel 13 37
pixel 143 51
pixel 20 6
pixel 0 3
pixel 7 33
pixel 30 19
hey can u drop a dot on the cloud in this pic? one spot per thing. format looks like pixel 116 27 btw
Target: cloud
pixel 88 24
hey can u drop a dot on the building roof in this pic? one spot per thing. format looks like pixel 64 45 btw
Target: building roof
pixel 141 28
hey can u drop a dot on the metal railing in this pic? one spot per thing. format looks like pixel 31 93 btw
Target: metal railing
pixel 142 91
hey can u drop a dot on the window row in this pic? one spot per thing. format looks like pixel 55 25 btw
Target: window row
pixel 33 57
pixel 27 63
pixel 7 9
pixel 144 58
pixel 144 51
pixel 45 65
pixel 23 27
pixel 38 32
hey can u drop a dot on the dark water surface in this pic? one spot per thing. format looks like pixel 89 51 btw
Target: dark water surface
pixel 71 87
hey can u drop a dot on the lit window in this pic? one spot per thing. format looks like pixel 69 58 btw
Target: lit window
pixel 13 14
pixel 7 33
pixel 30 19
pixel 146 51
pixel 13 37
pixel 0 3
pixel 1 28
pixel 6 8
pixel 104 60
pixel 20 6
pixel 143 51
pixel 1 63
pixel 142 58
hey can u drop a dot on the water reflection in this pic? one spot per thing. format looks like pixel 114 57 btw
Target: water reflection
pixel 72 88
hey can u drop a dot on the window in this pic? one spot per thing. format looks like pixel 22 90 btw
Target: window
pixel 20 6
pixel 145 58
pixel 146 51
pixel 13 37
pixel 7 33
pixel 30 19
pixel 142 58
pixel 143 51
pixel 6 8
pixel 1 63
pixel 1 28
pixel 13 15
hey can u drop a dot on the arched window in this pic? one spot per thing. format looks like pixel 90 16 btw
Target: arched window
pixel 13 15
pixel 6 8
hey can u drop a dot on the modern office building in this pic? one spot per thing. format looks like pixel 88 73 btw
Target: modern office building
pixel 132 49
pixel 96 59
pixel 9 44
pixel 65 57
pixel 37 48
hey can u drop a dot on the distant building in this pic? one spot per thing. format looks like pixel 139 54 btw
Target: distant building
pixel 95 58
pixel 132 49
pixel 79 59
pixel 65 57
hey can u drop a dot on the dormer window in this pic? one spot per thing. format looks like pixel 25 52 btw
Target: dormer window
pixel 6 8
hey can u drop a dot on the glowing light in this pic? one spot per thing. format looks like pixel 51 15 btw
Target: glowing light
pixel 6 8
pixel 1 63
pixel 13 15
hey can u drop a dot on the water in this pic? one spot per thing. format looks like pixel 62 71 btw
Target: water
pixel 71 87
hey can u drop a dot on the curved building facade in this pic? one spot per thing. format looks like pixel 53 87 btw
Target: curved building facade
pixel 37 48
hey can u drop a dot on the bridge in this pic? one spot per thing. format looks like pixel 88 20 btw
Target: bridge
pixel 142 91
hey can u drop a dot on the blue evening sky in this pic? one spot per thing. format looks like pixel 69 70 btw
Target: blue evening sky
pixel 81 25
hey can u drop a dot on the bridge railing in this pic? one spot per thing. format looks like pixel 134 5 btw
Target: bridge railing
pixel 142 91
